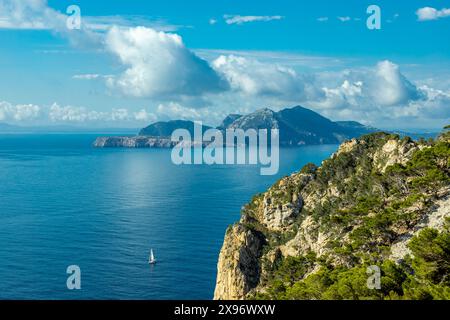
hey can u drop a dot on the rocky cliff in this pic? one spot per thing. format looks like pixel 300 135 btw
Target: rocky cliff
pixel 379 200
pixel 133 142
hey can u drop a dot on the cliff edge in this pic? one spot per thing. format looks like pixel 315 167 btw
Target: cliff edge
pixel 380 200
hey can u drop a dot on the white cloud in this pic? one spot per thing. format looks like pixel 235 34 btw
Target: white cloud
pixel 144 116
pixel 173 110
pixel 57 113
pixel 381 86
pixel 73 114
pixel 253 77
pixel 390 87
pixel 212 21
pixel 207 115
pixel 37 15
pixel 347 94
pixel 429 13
pixel 29 14
pixel 159 65
pixel 104 23
pixel 20 112
pixel 382 96
pixel 322 19
pixel 238 19
pixel 436 103
pixel 88 76
pixel 344 19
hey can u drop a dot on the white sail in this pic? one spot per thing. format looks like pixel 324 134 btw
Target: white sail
pixel 151 259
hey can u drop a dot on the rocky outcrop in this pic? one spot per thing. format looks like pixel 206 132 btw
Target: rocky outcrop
pixel 394 151
pixel 439 212
pixel 351 202
pixel 133 142
pixel 238 268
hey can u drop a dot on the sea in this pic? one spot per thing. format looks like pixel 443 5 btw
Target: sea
pixel 65 203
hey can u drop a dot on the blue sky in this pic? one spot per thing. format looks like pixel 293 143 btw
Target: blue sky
pixel 134 62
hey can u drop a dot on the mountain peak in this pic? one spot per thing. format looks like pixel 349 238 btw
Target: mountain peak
pixel 298 126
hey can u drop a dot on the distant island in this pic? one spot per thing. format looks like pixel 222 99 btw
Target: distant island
pixel 297 126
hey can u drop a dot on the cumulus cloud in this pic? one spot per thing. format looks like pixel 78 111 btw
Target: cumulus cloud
pixel 37 15
pixel 20 112
pixel 322 19
pixel 159 64
pixel 238 19
pixel 74 114
pixel 436 103
pixel 253 77
pixel 144 116
pixel 347 94
pixel 175 110
pixel 57 113
pixel 381 86
pixel 29 14
pixel 382 96
pixel 390 87
pixel 429 13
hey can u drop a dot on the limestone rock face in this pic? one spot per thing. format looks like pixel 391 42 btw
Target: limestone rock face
pixel 283 203
pixel 347 146
pixel 238 267
pixel 308 238
pixel 278 216
pixel 320 212
pixel 393 152
pixel 440 211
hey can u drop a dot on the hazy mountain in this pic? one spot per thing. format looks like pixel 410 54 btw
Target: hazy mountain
pixel 299 126
pixel 229 120
pixel 165 129
pixel 5 127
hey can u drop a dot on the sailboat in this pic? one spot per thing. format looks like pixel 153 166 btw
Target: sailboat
pixel 151 259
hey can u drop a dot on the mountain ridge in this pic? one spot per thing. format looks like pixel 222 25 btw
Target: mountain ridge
pixel 297 126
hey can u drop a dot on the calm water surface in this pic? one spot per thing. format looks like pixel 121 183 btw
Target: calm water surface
pixel 63 202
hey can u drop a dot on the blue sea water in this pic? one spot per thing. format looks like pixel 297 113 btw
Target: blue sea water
pixel 63 202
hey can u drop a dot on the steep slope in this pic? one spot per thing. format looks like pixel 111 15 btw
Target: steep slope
pixel 380 200
pixel 228 121
pixel 298 126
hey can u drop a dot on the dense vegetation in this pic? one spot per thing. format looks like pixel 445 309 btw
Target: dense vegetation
pixel 423 276
pixel 374 208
